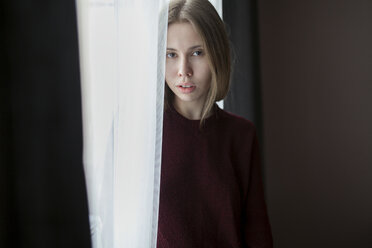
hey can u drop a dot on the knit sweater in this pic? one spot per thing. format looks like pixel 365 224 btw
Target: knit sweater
pixel 211 192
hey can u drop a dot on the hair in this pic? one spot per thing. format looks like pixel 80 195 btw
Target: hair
pixel 205 20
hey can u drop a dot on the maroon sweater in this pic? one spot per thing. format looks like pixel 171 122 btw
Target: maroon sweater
pixel 211 191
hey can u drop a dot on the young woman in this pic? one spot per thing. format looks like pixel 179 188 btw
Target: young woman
pixel 211 191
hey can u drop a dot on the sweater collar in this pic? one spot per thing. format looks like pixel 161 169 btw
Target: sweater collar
pixel 208 122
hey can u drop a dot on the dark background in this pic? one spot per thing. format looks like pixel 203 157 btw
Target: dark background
pixel 43 201
pixel 311 88
pixel 303 75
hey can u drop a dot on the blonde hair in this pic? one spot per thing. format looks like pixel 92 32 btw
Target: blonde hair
pixel 204 18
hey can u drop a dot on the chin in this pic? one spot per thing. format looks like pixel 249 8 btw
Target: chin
pixel 186 99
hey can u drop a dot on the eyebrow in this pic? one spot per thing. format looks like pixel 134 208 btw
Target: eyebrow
pixel 191 48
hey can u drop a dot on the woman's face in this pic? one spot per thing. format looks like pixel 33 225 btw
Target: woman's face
pixel 187 71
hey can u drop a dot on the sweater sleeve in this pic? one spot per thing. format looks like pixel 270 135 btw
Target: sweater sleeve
pixel 256 227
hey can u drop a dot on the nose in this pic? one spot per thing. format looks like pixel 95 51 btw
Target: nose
pixel 185 69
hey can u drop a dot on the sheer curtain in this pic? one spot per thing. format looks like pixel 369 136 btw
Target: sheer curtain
pixel 122 84
pixel 218 6
pixel 122 55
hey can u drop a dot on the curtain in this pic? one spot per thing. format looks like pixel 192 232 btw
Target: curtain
pixel 122 50
pixel 43 201
pixel 244 97
pixel 218 6
pixel 123 57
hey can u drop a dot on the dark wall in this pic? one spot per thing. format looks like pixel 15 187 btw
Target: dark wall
pixel 316 71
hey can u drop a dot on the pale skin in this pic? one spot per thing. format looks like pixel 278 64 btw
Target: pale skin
pixel 187 70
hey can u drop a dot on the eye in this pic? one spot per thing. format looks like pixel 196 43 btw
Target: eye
pixel 197 53
pixel 171 55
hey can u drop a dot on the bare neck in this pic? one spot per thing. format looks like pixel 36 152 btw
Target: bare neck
pixel 190 110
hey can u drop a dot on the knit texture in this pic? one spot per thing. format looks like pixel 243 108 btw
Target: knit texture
pixel 211 192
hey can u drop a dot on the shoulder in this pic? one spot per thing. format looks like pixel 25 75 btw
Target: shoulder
pixel 235 122
pixel 240 131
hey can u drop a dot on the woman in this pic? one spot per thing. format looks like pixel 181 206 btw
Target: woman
pixel 211 189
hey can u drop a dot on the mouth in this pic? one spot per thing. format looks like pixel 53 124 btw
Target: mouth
pixel 186 88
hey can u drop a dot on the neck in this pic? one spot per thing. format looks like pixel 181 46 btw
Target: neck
pixel 190 110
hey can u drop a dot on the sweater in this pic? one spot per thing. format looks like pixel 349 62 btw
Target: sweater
pixel 211 192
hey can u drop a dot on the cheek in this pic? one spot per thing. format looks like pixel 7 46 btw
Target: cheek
pixel 166 81
pixel 169 79
pixel 204 72
pixel 168 72
pixel 202 66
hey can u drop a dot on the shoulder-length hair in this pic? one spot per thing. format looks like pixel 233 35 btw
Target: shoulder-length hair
pixel 204 18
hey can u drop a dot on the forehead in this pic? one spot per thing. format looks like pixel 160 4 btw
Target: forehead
pixel 182 35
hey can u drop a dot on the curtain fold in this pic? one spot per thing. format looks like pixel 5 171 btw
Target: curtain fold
pixel 123 57
pixel 244 97
pixel 43 201
pixel 122 46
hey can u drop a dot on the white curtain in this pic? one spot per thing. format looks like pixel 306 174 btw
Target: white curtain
pixel 122 44
pixel 218 6
pixel 122 53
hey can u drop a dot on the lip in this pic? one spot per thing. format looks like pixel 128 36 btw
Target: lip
pixel 186 90
pixel 185 84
